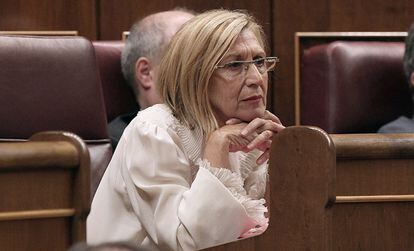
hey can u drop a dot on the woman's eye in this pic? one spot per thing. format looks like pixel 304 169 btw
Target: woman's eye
pixel 234 65
pixel 259 62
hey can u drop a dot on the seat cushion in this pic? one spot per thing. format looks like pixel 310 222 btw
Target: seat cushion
pixel 50 84
pixel 353 87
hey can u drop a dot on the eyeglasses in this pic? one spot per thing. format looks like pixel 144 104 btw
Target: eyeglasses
pixel 239 68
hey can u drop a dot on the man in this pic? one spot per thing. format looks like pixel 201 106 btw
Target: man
pixel 143 51
pixel 404 124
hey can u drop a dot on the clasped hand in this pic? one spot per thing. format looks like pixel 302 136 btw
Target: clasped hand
pixel 257 134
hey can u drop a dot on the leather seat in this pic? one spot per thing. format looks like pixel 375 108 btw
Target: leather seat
pixel 353 86
pixel 118 96
pixel 52 83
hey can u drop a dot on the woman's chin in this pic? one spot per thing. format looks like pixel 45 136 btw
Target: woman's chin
pixel 257 113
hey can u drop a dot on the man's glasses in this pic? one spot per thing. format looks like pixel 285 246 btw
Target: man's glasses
pixel 235 69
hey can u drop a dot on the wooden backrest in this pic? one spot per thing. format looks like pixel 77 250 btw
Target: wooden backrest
pixel 42 33
pixel 45 192
pixel 338 192
pixel 298 195
pixel 374 206
pixel 342 192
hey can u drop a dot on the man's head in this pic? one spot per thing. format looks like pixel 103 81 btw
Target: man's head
pixel 409 57
pixel 144 47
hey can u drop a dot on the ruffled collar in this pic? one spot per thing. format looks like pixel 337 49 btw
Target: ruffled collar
pixel 193 144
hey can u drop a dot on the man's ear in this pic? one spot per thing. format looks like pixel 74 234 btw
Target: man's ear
pixel 142 73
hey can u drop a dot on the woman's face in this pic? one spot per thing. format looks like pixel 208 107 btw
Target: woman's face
pixel 236 93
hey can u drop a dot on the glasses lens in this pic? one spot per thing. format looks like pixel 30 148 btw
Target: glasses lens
pixel 233 69
pixel 260 65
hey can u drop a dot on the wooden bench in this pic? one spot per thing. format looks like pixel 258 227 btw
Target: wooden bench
pixel 44 184
pixel 338 192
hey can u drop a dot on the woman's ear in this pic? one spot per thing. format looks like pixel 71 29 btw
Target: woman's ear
pixel 142 73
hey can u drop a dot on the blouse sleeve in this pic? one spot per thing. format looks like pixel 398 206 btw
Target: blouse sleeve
pixel 188 214
pixel 248 188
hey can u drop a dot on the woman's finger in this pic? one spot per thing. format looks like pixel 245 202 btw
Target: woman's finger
pixel 259 125
pixel 271 116
pixel 252 126
pixel 263 158
pixel 260 139
pixel 265 145
pixel 271 126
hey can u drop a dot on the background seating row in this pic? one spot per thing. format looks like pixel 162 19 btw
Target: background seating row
pixel 350 82
pixel 54 83
pixel 47 84
pixel 72 84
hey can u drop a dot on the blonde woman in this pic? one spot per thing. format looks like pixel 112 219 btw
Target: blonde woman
pixel 191 173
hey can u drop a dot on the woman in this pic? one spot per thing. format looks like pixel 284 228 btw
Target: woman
pixel 191 173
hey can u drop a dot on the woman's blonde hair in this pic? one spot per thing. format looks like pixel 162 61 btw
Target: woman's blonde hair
pixel 186 68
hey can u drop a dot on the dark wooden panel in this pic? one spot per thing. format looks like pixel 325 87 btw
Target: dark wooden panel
pixel 323 15
pixel 118 16
pixel 37 234
pixel 374 164
pixel 391 224
pixel 49 15
pixel 373 177
pixel 54 184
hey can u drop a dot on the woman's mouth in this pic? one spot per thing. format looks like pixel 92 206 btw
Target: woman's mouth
pixel 253 98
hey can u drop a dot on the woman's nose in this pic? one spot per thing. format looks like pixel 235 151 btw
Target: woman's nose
pixel 252 75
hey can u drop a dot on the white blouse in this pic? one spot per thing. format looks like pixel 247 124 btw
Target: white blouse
pixel 159 193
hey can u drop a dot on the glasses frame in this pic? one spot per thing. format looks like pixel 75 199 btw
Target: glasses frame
pixel 246 64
